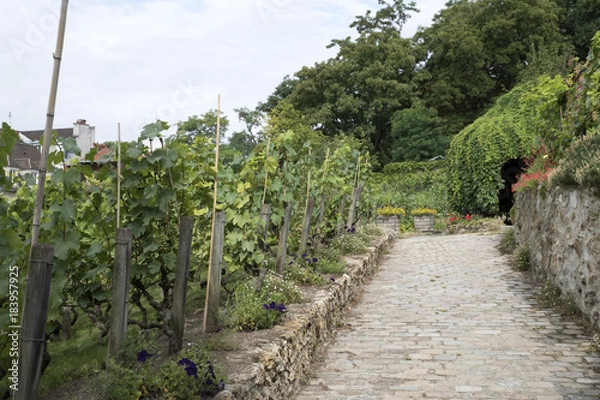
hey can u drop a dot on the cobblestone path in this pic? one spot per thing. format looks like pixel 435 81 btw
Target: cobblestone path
pixel 446 318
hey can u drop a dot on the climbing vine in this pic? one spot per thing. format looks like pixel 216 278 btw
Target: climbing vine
pixel 506 132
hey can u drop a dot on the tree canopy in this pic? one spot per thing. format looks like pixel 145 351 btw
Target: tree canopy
pixel 474 52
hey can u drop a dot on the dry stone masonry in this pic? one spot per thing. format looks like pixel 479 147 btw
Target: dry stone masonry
pixel 562 230
pixel 282 364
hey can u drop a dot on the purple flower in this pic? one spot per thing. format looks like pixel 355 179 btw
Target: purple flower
pixel 315 259
pixel 281 308
pixel 304 255
pixel 143 355
pixel 332 279
pixel 189 366
pixel 266 306
pixel 308 261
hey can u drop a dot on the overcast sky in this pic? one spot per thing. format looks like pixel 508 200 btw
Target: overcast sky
pixel 135 61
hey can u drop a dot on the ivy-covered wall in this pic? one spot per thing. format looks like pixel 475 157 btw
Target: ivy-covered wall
pixel 479 152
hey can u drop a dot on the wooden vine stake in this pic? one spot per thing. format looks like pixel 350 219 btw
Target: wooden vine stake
pixel 266 172
pixel 355 196
pixel 209 308
pixel 322 203
pixel 308 211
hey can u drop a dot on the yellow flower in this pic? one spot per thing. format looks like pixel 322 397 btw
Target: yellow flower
pixel 423 211
pixel 389 210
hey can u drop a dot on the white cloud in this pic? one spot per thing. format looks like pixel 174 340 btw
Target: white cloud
pixel 133 61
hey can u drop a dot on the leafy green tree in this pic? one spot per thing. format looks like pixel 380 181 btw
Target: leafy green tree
pixel 283 90
pixel 475 51
pixel 418 134
pixel 242 142
pixel 357 92
pixel 579 21
pixel 204 126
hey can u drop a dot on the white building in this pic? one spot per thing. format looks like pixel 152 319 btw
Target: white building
pixel 84 135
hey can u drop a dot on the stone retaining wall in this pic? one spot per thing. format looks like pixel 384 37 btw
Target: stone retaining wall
pixel 562 230
pixel 284 362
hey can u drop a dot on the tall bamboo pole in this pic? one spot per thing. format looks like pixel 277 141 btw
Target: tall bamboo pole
pixel 47 137
pixel 118 175
pixel 210 255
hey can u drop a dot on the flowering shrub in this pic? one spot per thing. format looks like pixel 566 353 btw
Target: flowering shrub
pixel 390 210
pixel 191 375
pixel 539 166
pixel 531 180
pixel 456 219
pixel 250 309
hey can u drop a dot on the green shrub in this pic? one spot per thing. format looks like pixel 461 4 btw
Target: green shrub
pixel 139 373
pixel 508 244
pixel 349 243
pixel 581 167
pixel 304 271
pixel 249 309
pixel 409 185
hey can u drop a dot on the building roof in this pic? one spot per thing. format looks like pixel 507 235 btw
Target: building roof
pixel 37 135
pixel 24 156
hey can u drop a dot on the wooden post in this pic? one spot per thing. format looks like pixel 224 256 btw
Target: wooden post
pixel 341 212
pixel 352 211
pixel 265 215
pixel 283 237
pixel 66 323
pixel 209 319
pixel 35 314
pixel 310 204
pixel 184 254
pixel 322 210
pixel 213 287
pixel 120 298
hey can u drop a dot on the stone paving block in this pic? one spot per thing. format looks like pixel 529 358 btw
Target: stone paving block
pixel 456 323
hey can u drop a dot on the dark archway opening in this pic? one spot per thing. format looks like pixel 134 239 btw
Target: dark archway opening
pixel 510 174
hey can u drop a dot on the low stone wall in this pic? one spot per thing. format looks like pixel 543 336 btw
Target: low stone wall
pixel 562 230
pixel 283 363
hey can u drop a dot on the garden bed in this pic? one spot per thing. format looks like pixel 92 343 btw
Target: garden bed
pixel 271 363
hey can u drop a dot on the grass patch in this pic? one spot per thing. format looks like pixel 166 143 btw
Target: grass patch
pixel 520 259
pixel 355 241
pixel 550 296
pixel 508 243
pixel 79 357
